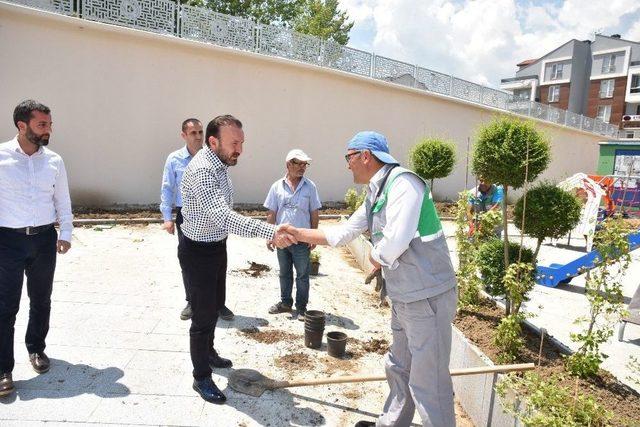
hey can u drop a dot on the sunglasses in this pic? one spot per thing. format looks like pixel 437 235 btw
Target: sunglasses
pixel 347 157
pixel 298 163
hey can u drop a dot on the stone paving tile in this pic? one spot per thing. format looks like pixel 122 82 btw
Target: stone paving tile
pixel 149 409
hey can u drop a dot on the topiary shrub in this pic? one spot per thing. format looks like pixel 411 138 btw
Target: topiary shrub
pixel 433 158
pixel 551 212
pixel 510 152
pixel 491 264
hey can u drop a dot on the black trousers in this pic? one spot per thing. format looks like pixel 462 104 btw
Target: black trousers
pixel 35 257
pixel 179 221
pixel 205 267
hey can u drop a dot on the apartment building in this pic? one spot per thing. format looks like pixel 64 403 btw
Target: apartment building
pixel 599 79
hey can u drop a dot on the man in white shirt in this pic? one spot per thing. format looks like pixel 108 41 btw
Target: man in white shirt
pixel 410 248
pixel 34 194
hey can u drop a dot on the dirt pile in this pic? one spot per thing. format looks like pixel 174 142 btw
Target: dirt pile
pixel 269 336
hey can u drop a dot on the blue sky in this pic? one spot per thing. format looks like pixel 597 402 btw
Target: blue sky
pixel 483 40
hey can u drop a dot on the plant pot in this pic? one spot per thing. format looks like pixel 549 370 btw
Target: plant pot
pixel 313 315
pixel 336 343
pixel 315 267
pixel 313 339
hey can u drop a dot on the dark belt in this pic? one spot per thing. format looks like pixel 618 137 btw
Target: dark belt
pixel 29 231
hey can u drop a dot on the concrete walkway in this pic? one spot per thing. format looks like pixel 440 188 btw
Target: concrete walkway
pixel 120 353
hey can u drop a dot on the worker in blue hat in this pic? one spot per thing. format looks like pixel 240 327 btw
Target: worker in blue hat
pixel 410 248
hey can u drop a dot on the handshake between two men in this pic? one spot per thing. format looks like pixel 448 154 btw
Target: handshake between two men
pixel 287 235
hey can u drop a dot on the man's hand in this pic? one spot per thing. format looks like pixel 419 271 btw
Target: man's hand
pixel 270 245
pixel 63 246
pixel 284 236
pixel 376 264
pixel 169 226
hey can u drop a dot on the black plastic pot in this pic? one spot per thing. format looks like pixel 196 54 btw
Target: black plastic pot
pixel 313 338
pixel 336 343
pixel 314 268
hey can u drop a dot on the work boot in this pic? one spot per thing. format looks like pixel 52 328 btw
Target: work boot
pixel 279 308
pixel 40 362
pixel 215 361
pixel 186 312
pixel 363 423
pixel 225 314
pixel 209 391
pixel 6 384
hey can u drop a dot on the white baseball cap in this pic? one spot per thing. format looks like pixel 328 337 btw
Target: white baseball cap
pixel 298 154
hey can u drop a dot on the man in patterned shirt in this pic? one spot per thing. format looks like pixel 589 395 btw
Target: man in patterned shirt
pixel 207 202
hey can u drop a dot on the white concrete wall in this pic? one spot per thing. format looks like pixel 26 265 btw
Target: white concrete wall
pixel 119 95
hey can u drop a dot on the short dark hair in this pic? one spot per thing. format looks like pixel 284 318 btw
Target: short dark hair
pixel 186 123
pixel 22 112
pixel 213 128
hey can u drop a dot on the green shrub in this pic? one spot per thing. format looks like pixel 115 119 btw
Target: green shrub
pixel 551 212
pixel 491 264
pixel 433 158
pixel 500 152
pixel 510 152
pixel 541 402
pixel 314 256
pixel 353 199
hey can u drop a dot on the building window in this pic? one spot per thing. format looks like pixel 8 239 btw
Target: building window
pixel 556 72
pixel 606 88
pixel 522 94
pixel 604 113
pixel 554 93
pixel 635 83
pixel 609 64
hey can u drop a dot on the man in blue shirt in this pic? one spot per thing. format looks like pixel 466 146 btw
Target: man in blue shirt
pixel 294 200
pixel 485 197
pixel 177 161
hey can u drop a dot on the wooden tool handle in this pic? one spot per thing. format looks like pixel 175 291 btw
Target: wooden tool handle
pixel 367 378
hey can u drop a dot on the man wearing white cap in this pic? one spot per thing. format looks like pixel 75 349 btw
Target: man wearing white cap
pixel 294 200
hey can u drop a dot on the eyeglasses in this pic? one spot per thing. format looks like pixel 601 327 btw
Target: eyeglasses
pixel 347 157
pixel 298 163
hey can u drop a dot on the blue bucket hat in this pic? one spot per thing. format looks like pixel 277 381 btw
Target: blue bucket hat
pixel 374 142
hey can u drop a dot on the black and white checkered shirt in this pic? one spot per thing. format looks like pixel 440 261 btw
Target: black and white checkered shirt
pixel 207 203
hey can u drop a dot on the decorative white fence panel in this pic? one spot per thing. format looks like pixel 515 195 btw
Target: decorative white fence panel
pixel 64 7
pixel 347 59
pixel 202 24
pixel 393 71
pixel 153 15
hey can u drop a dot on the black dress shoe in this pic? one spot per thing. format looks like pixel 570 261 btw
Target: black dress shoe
pixel 365 423
pixel 186 312
pixel 209 391
pixel 215 361
pixel 40 362
pixel 225 313
pixel 6 384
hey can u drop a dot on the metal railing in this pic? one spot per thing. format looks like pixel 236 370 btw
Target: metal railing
pixel 201 24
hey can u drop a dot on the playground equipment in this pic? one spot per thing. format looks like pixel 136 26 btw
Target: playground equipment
pixel 619 194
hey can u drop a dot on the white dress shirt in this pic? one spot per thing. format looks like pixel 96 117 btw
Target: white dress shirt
pixel 33 189
pixel 403 206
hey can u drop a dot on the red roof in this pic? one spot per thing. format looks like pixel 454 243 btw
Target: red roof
pixel 526 62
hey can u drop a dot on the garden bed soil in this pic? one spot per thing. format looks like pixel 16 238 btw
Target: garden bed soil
pixel 609 392
pixel 445 209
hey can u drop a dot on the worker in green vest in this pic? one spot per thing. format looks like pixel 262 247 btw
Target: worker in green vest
pixel 410 248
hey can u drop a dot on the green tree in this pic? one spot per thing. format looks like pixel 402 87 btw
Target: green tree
pixel 323 18
pixel 510 152
pixel 268 12
pixel 433 158
pixel 551 212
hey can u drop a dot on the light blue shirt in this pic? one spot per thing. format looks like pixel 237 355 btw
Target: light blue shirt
pixel 293 207
pixel 171 178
